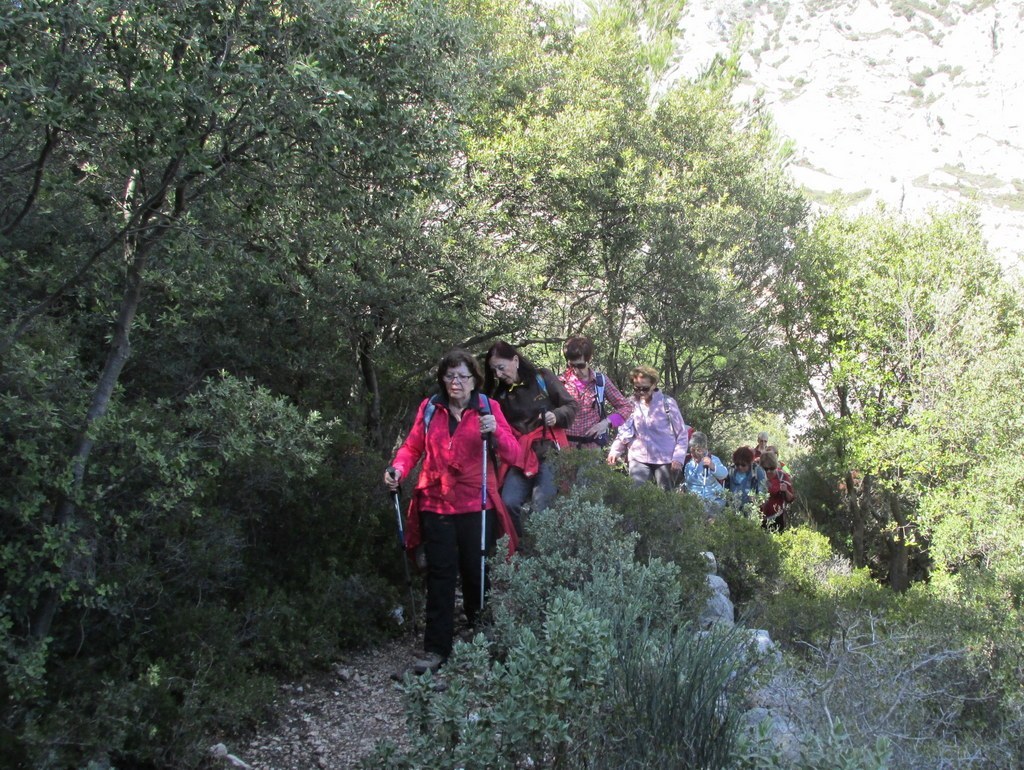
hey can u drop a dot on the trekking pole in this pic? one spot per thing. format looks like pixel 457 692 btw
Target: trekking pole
pixel 401 545
pixel 544 428
pixel 483 526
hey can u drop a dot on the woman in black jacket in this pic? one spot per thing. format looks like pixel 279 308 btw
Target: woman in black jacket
pixel 539 409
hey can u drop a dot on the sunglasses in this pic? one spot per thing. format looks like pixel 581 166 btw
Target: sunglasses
pixel 578 365
pixel 641 388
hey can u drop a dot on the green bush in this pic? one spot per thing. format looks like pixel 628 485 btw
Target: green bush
pixel 227 543
pixel 748 557
pixel 666 526
pixel 672 700
pixel 535 708
pixel 582 546
pixel 592 665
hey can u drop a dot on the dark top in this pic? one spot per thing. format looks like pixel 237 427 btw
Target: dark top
pixel 525 402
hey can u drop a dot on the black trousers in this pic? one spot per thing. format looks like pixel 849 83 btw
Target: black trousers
pixel 452 546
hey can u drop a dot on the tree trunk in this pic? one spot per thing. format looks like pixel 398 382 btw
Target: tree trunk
pixel 857 524
pixel 117 356
pixel 899 558
pixel 369 372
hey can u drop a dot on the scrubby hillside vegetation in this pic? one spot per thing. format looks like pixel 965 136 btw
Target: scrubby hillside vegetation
pixel 235 239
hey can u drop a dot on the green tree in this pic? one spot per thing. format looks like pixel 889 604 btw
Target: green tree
pixel 641 210
pixel 884 320
pixel 224 186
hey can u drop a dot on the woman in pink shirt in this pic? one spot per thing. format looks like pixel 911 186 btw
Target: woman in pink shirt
pixel 655 434
pixel 592 390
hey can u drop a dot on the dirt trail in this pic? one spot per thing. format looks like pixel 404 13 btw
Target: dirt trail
pixel 334 720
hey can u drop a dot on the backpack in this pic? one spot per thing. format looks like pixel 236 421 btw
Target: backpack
pixel 428 413
pixel 599 386
pixel 543 385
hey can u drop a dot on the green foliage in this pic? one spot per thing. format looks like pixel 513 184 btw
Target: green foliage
pixel 498 715
pixel 748 558
pixel 833 747
pixel 595 666
pixel 191 189
pixel 887 325
pixel 672 700
pixel 666 526
pixel 815 587
pixel 582 546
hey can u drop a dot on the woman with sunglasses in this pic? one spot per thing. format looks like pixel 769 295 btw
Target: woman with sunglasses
pixel 656 435
pixel 745 478
pixel 592 390
pixel 447 507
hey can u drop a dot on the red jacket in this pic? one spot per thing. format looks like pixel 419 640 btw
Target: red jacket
pixel 452 474
pixel 780 494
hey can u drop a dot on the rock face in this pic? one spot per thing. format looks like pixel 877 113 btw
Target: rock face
pixel 918 105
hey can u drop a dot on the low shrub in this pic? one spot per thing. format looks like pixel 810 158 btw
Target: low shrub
pixel 592 665
pixel 748 557
pixel 533 709
pixel 673 699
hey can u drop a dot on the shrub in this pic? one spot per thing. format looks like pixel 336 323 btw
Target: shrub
pixel 748 557
pixel 595 664
pixel 535 708
pixel 582 546
pixel 672 700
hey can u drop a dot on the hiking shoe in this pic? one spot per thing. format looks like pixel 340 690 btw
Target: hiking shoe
pixel 430 662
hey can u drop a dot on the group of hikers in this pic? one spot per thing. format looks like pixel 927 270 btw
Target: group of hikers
pixel 487 443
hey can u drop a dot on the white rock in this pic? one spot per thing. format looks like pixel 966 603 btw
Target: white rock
pixel 712 562
pixel 719 586
pixel 718 610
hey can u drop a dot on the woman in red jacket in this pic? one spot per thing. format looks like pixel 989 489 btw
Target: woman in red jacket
pixel 780 494
pixel 445 511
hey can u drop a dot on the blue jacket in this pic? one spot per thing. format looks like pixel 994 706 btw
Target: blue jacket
pixel 705 482
pixel 743 483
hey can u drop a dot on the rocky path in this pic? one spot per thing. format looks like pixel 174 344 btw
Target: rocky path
pixel 332 721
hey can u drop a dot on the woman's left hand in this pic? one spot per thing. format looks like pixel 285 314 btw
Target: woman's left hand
pixel 487 424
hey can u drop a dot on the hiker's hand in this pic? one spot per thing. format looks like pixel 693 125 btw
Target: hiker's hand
pixel 612 458
pixel 599 429
pixel 676 466
pixel 707 461
pixel 487 424
pixel 550 419
pixel 392 480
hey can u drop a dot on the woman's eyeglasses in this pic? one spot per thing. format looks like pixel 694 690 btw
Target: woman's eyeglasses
pixel 578 365
pixel 460 377
pixel 641 388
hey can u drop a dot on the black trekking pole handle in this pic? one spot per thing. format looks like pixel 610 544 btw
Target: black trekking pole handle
pixel 396 499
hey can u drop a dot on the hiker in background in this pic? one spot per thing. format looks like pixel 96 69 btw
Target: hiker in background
pixel 745 478
pixel 539 409
pixel 447 505
pixel 780 494
pixel 761 446
pixel 655 434
pixel 778 460
pixel 592 390
pixel 704 475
